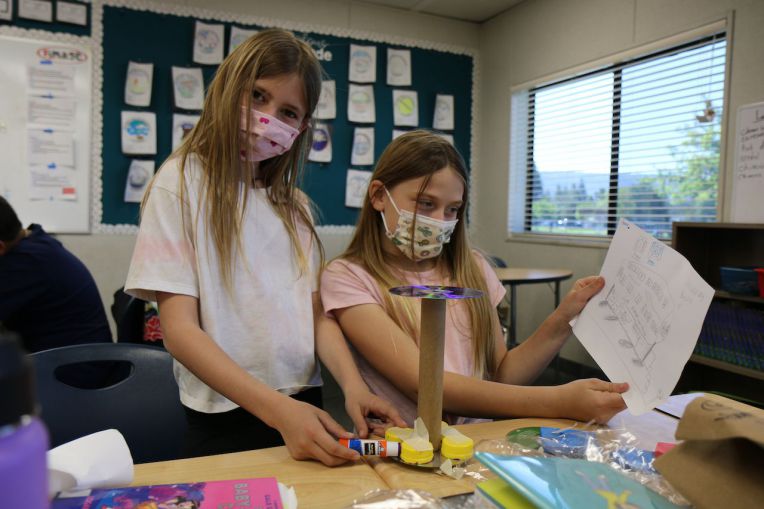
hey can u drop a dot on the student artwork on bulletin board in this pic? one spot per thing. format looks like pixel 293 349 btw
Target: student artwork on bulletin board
pixel 354 121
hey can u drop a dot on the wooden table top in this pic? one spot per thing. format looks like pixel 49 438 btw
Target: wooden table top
pixel 316 485
pixel 518 276
pixel 323 487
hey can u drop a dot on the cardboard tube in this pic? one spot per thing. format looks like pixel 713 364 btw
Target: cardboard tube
pixel 431 351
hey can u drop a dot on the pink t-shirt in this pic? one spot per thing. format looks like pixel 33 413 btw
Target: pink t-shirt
pixel 345 284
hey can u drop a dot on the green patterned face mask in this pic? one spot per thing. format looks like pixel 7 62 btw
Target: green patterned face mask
pixel 428 239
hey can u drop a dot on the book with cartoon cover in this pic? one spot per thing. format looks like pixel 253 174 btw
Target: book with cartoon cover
pixel 242 493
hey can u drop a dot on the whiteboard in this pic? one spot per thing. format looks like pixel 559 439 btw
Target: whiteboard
pixel 748 178
pixel 69 211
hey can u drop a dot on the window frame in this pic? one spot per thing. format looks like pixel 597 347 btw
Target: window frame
pixel 715 31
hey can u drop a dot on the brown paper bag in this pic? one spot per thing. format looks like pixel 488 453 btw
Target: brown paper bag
pixel 721 462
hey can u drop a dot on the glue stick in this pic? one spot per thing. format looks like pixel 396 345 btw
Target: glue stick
pixel 381 448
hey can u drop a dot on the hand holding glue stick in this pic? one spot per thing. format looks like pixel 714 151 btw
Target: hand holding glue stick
pixel 381 448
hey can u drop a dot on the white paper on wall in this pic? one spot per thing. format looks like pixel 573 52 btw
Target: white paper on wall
pixel 238 36
pixel 363 64
pixel 50 146
pixel 50 79
pixel 361 104
pixel 188 87
pixel 38 10
pixel 139 132
pixel 399 67
pixel 398 132
pixel 363 147
pixel 443 117
pixel 138 178
pixel 181 126
pixel 208 43
pixel 405 108
pixel 138 83
pixel 448 137
pixel 52 182
pixel 6 9
pixel 70 12
pixel 321 149
pixel 326 108
pixel 356 185
pixel 51 112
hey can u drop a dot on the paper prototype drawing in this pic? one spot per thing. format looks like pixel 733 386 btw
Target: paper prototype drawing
pixel 326 108
pixel 188 87
pixel 138 84
pixel 321 149
pixel 363 64
pixel 363 147
pixel 361 104
pixel 208 43
pixel 641 328
pixel 405 108
pixel 399 67
pixel 356 184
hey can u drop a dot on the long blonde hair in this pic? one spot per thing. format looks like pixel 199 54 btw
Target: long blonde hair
pixel 215 141
pixel 410 156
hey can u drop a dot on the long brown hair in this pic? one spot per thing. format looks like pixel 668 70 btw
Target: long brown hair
pixel 215 141
pixel 414 155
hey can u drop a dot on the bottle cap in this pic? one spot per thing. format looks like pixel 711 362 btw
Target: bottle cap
pixel 16 381
pixel 393 449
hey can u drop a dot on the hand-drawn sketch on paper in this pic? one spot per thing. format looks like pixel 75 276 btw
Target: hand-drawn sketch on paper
pixel 642 327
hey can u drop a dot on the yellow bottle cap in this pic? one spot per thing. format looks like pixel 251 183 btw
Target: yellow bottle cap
pixel 396 434
pixel 416 451
pixel 456 446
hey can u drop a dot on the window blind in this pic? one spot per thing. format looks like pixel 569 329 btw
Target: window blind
pixel 638 140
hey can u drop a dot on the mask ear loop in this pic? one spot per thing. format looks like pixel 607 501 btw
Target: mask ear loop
pixel 413 223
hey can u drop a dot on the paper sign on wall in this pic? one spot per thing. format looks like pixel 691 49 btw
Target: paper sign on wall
pixel 361 104
pixel 70 12
pixel 6 9
pixel 405 108
pixel 398 132
pixel 51 112
pixel 139 132
pixel 443 117
pixel 327 103
pixel 238 36
pixel 188 87
pixel 50 146
pixel 363 64
pixel 363 147
pixel 181 126
pixel 51 182
pixel 138 82
pixel 208 43
pixel 138 178
pixel 321 149
pixel 356 184
pixel 50 79
pixel 38 10
pixel 399 67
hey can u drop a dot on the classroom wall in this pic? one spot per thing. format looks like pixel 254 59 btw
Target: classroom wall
pixel 108 256
pixel 540 37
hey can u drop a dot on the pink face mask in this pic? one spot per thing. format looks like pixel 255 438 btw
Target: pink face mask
pixel 267 137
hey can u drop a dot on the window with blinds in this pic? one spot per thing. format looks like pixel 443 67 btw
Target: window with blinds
pixel 638 140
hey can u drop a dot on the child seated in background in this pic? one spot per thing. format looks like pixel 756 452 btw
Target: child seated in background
pixel 411 232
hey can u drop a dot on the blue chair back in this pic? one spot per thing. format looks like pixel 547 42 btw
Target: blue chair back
pixel 144 404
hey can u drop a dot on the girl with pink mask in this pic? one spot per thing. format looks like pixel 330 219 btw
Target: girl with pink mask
pixel 411 232
pixel 228 249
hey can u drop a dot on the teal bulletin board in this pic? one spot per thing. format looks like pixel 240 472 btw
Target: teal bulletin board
pixel 167 40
